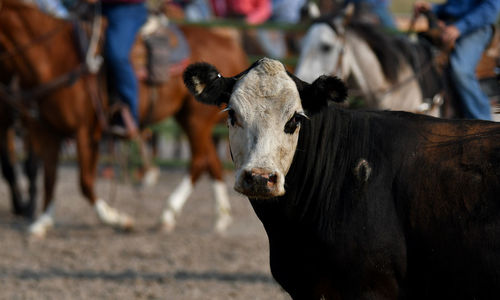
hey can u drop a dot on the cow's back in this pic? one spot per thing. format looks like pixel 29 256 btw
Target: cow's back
pixel 450 184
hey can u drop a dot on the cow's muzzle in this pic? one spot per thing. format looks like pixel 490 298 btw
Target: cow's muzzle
pixel 259 183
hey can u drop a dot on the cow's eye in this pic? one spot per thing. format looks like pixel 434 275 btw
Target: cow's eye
pixel 231 117
pixel 293 123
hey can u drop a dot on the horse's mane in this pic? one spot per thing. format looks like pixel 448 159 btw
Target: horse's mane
pixel 420 56
pixel 384 45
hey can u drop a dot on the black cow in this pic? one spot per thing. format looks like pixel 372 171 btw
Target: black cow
pixel 361 204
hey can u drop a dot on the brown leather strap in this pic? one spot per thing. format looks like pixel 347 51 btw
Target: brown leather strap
pixel 153 99
pixel 97 101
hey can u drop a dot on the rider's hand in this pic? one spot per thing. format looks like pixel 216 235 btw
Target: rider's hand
pixel 450 34
pixel 421 6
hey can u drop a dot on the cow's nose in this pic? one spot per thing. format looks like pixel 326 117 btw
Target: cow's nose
pixel 258 176
pixel 260 183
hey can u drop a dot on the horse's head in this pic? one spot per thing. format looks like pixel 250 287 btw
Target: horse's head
pixel 323 47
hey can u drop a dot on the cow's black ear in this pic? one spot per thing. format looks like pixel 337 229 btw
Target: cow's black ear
pixel 325 89
pixel 330 88
pixel 207 85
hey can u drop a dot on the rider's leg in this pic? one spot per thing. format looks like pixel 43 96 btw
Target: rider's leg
pixel 385 17
pixel 124 21
pixel 463 62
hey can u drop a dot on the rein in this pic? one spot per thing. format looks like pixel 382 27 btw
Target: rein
pixel 407 80
pixel 45 88
pixel 14 99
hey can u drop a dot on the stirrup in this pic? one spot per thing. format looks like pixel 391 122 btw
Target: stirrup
pixel 129 130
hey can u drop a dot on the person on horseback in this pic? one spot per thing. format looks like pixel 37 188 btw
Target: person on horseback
pixel 380 8
pixel 468 24
pixel 125 18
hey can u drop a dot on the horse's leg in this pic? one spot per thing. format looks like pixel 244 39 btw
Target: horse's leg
pixel 87 148
pixel 49 146
pixel 203 158
pixel 151 173
pixel 222 206
pixel 8 170
pixel 31 171
pixel 154 141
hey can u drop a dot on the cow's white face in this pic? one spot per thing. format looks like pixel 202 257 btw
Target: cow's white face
pixel 265 113
pixel 266 109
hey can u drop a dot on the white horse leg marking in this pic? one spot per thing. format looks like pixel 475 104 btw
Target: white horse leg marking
pixel 223 208
pixel 175 203
pixel 46 221
pixel 110 216
pixel 151 177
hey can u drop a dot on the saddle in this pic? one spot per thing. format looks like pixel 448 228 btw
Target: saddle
pixel 165 51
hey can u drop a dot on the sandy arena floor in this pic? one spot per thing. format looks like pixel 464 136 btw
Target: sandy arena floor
pixel 82 259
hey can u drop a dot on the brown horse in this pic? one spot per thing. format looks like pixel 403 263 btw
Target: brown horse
pixel 42 49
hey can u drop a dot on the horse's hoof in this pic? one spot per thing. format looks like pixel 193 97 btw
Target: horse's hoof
pixel 223 223
pixel 127 223
pixel 40 228
pixel 151 177
pixel 110 216
pixel 168 221
pixel 123 223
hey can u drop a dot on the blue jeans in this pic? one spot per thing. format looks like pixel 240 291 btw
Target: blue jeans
pixel 463 62
pixel 124 21
pixel 198 10
pixel 384 16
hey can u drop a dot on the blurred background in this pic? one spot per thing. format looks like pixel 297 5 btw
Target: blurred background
pixel 216 248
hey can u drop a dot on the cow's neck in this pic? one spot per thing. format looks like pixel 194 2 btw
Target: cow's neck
pixel 321 175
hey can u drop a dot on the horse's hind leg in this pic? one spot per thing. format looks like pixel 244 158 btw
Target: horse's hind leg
pixel 49 146
pixel 203 158
pixel 223 208
pixel 8 170
pixel 87 148
pixel 31 171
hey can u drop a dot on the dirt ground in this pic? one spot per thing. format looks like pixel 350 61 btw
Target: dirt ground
pixel 82 259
